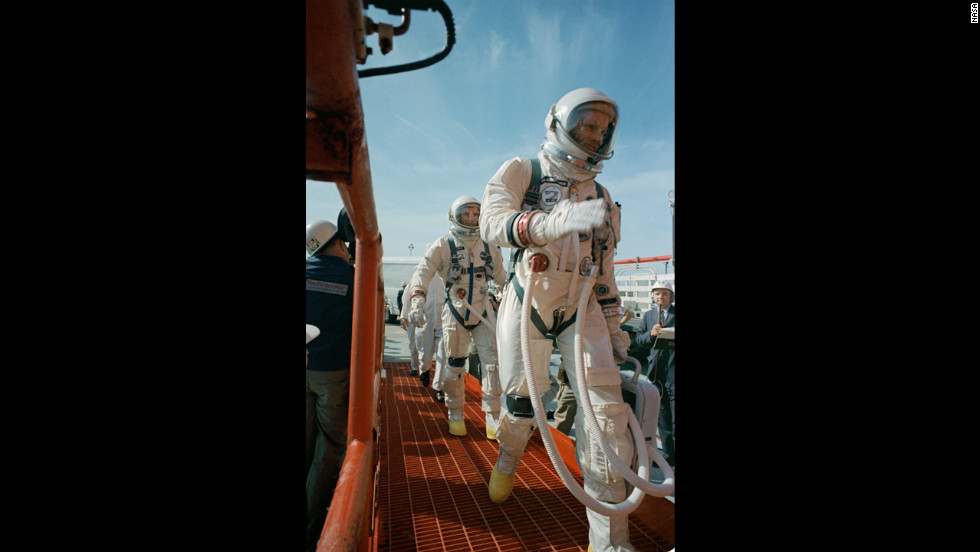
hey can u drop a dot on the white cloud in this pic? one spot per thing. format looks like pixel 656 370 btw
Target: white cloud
pixel 497 47
pixel 428 135
pixel 544 38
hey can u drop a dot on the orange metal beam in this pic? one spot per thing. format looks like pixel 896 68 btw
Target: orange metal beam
pixel 643 259
pixel 336 151
pixel 349 512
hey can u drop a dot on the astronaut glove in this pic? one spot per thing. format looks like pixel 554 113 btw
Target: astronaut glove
pixel 619 339
pixel 568 216
pixel 417 315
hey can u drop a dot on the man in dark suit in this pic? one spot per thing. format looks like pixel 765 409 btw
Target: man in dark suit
pixel 661 360
pixel 401 294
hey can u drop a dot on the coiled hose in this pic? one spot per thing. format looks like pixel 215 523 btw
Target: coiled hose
pixel 639 481
pixel 434 5
pixel 608 509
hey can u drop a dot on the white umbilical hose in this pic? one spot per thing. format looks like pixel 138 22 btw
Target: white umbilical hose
pixel 607 509
pixel 493 334
pixel 641 481
pixel 478 315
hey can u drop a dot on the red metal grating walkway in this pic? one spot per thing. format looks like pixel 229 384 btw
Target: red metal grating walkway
pixel 433 486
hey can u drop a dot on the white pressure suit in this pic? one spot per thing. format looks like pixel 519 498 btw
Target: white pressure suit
pixel 428 339
pixel 508 220
pixel 424 343
pixel 475 263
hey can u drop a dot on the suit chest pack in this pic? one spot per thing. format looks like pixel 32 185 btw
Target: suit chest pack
pixel 484 273
pixel 456 270
pixel 543 193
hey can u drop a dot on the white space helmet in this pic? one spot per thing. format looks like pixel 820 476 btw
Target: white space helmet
pixel 457 225
pixel 562 121
pixel 318 233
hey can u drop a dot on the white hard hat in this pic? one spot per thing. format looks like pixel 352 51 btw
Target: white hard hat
pixel 663 285
pixel 561 121
pixel 318 233
pixel 311 332
pixel 456 225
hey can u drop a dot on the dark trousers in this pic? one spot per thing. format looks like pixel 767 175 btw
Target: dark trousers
pixel 662 374
pixel 665 424
pixel 565 411
pixel 326 443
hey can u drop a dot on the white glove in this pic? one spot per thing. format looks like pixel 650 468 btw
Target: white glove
pixel 619 339
pixel 568 216
pixel 416 314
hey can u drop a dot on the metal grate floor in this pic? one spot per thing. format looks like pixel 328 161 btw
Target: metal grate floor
pixel 433 486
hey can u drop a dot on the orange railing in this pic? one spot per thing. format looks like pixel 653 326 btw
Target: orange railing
pixel 643 259
pixel 336 151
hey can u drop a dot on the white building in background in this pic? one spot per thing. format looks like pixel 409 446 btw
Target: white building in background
pixel 635 283
pixel 396 270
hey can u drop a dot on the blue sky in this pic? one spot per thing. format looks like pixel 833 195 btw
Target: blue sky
pixel 440 132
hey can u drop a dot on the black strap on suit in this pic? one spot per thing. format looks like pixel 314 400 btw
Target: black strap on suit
pixel 558 327
pixel 452 281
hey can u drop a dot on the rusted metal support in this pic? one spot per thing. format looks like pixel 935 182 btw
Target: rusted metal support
pixel 334 115
pixel 336 151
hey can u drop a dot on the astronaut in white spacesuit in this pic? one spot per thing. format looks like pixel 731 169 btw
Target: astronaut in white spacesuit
pixel 467 265
pixel 428 339
pixel 425 343
pixel 561 223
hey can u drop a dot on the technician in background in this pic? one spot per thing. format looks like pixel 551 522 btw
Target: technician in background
pixel 661 360
pixel 329 307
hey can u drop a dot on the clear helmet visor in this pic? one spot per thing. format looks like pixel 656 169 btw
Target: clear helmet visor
pixel 593 127
pixel 467 215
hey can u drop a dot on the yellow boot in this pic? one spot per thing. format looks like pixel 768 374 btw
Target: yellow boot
pixel 493 422
pixel 500 486
pixel 457 427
